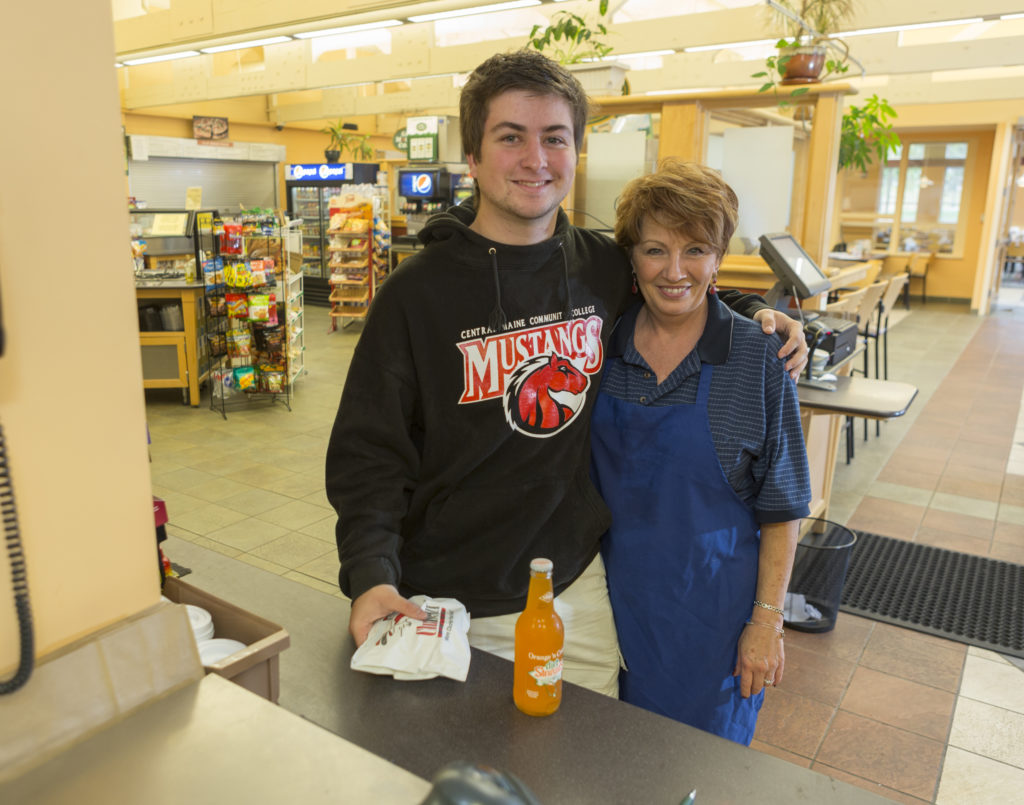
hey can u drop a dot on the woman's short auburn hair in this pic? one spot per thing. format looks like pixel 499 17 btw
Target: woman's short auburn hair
pixel 682 196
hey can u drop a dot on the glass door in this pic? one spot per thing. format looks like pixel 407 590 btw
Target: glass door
pixel 305 204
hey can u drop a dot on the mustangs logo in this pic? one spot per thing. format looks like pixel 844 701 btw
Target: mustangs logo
pixel 544 393
pixel 541 374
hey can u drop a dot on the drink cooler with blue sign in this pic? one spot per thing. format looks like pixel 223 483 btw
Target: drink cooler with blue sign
pixel 309 188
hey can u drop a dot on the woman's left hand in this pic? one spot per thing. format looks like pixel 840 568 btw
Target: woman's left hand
pixel 792 332
pixel 761 658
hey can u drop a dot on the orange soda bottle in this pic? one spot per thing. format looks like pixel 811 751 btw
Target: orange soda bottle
pixel 537 679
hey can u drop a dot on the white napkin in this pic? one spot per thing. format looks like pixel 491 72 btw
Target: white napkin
pixel 410 650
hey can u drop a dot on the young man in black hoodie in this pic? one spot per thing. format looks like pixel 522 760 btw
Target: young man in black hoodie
pixel 461 446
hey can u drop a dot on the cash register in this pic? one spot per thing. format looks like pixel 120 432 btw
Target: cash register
pixel 800 277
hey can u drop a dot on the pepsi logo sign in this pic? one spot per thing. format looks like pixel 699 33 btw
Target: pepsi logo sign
pixel 422 183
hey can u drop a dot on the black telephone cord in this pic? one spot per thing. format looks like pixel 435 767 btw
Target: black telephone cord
pixel 19 579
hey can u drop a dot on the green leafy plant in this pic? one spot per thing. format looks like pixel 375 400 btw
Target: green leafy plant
pixel 866 133
pixel 825 17
pixel 775 68
pixel 570 38
pixel 346 141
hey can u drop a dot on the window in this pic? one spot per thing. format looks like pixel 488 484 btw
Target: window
pixel 925 181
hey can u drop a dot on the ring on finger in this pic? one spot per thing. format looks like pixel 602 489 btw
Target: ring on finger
pixel 768 682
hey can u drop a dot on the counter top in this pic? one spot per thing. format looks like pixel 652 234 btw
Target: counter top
pixel 593 750
pixel 166 283
pixel 214 742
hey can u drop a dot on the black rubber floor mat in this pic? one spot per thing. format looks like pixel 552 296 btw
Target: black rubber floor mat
pixel 970 599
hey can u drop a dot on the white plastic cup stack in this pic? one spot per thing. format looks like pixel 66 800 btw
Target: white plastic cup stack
pixel 202 622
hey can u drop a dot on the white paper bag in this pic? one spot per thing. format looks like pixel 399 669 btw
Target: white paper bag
pixel 409 649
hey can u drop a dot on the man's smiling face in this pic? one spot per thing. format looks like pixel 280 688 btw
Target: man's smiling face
pixel 525 168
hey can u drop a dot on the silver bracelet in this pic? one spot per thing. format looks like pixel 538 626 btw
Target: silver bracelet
pixel 781 632
pixel 769 607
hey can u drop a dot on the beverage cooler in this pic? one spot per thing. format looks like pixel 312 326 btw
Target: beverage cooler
pixel 310 188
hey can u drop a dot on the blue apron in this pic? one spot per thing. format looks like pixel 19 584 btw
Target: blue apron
pixel 681 558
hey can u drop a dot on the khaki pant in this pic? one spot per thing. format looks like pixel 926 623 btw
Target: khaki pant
pixel 591 654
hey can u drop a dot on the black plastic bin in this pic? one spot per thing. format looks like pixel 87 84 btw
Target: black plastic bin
pixel 819 572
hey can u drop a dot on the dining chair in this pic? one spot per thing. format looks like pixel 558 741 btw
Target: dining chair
pixel 879 330
pixel 917 269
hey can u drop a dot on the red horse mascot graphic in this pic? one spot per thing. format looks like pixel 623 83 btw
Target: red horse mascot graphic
pixel 543 394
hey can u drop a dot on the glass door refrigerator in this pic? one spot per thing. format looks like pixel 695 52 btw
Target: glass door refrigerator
pixel 310 188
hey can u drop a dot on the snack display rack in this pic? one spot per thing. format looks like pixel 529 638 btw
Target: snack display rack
pixel 381 233
pixel 254 315
pixel 350 246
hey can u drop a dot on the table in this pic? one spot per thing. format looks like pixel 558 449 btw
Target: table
pixel 864 397
pixel 593 750
pixel 185 343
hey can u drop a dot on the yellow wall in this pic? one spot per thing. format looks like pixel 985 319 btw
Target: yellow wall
pixel 71 399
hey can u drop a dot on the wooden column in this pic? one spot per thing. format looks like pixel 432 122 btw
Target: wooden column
pixel 684 131
pixel 822 167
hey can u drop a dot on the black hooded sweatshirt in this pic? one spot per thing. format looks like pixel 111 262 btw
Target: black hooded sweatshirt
pixel 461 446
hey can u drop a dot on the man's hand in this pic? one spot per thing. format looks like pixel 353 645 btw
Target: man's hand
pixel 792 332
pixel 376 603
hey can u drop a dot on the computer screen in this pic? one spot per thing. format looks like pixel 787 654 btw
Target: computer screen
pixel 793 266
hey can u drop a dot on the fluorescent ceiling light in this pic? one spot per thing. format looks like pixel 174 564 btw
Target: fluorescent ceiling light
pixel 1012 16
pixel 909 27
pixel 118 64
pixel 730 45
pixel 465 12
pixel 184 54
pixel 347 29
pixel 255 43
pixel 639 55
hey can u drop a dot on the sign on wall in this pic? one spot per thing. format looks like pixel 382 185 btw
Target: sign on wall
pixel 209 128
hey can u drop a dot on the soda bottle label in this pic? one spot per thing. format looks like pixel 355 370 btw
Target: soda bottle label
pixel 550 673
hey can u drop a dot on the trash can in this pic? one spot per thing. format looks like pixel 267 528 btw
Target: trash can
pixel 819 571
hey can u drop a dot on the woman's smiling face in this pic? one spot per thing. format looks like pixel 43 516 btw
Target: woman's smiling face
pixel 673 270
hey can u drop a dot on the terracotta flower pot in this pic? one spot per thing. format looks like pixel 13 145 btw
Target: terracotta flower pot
pixel 805 65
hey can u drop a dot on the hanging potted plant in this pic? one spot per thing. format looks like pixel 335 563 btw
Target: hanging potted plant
pixel 338 136
pixel 343 139
pixel 809 52
pixel 574 42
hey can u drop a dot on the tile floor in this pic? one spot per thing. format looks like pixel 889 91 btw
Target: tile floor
pixel 910 716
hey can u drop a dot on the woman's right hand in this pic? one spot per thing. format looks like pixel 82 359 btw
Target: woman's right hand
pixel 761 657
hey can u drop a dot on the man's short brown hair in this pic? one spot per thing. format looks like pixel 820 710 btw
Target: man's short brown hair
pixel 526 70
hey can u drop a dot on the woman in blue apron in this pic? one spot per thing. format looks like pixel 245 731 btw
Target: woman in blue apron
pixel 698 452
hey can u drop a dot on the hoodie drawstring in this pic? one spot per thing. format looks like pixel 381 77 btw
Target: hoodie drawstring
pixel 498 319
pixel 567 316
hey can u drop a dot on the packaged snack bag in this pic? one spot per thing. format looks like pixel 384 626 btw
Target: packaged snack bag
pixel 257 272
pixel 245 378
pixel 239 343
pixel 273 382
pixel 243 277
pixel 218 344
pixel 259 307
pixel 237 305
pixel 231 240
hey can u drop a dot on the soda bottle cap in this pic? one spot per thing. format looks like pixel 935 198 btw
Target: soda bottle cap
pixel 541 565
